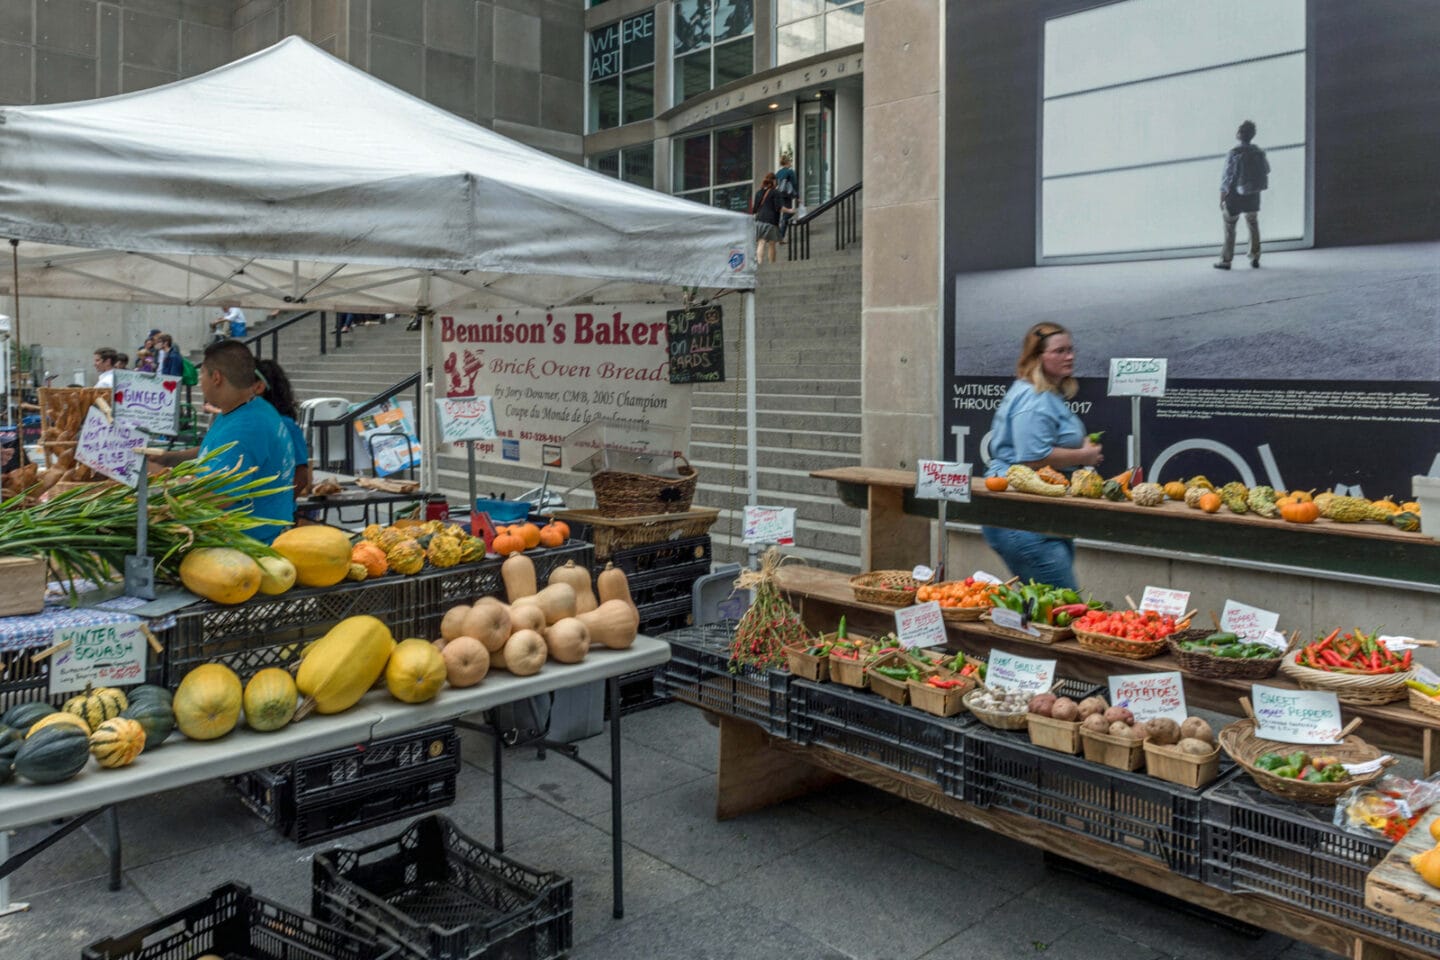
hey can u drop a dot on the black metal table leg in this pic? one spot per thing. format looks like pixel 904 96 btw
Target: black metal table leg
pixel 112 837
pixel 498 748
pixel 612 690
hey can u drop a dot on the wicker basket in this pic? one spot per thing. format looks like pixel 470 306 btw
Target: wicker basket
pixel 1220 668
pixel 1000 721
pixel 1349 687
pixel 1120 647
pixel 963 614
pixel 1122 753
pixel 1176 766
pixel 610 534
pixel 1244 747
pixel 891 588
pixel 1062 736
pixel 942 703
pixel 640 494
pixel 1430 706
pixel 807 666
pixel 1045 632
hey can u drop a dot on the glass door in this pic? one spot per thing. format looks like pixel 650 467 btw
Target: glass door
pixel 816 147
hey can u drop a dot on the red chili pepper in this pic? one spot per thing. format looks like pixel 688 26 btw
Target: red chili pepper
pixel 1405 660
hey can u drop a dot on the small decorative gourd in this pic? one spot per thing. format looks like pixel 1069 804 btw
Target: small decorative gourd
pixel 117 742
pixel 96 705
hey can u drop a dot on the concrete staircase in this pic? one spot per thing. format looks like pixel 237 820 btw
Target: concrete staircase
pixel 808 379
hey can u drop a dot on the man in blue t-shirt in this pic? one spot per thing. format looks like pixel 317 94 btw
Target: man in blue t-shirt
pixel 261 440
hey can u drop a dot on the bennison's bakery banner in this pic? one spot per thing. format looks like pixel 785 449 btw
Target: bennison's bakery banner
pixel 1084 188
pixel 550 372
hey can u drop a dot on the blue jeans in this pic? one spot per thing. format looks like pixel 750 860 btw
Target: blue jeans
pixel 1034 556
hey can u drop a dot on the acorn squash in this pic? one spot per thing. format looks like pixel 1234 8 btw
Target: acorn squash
pixel 148 692
pixel 156 717
pixel 321 554
pixel 58 718
pixel 207 702
pixel 97 705
pixel 220 574
pixel 270 699
pixel 117 742
pixel 22 716
pixel 342 665
pixel 7 760
pixel 53 754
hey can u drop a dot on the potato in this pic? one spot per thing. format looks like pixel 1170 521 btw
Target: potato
pixel 1095 723
pixel 1137 732
pixel 1092 705
pixel 1119 728
pixel 1163 730
pixel 1065 709
pixel 1195 728
pixel 1119 713
pixel 1042 703
pixel 1196 748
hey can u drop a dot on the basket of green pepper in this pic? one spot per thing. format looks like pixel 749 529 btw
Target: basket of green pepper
pixel 851 658
pixel 810 659
pixel 1223 655
pixel 1047 610
pixel 890 675
pixel 1296 774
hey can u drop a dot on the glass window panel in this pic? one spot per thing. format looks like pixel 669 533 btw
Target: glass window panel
pixel 692 75
pixel 845 26
pixel 734 60
pixel 639 96
pixel 799 40
pixel 1162 37
pixel 788 10
pixel 1177 118
pixel 692 163
pixel 605 104
pixel 606 163
pixel 692 25
pixel 605 52
pixel 637 36
pixel 639 166
pixel 735 197
pixel 699 196
pixel 734 18
pixel 733 159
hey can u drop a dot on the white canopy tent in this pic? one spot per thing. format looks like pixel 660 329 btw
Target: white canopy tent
pixel 291 179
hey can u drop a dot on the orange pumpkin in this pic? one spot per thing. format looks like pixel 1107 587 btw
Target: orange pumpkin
pixel 507 543
pixel 550 536
pixel 563 527
pixel 1302 512
pixel 996 483
pixel 1210 502
pixel 528 533
pixel 371 557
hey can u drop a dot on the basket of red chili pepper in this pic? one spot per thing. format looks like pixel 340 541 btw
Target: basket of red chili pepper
pixel 1132 634
pixel 1354 666
pixel 943 691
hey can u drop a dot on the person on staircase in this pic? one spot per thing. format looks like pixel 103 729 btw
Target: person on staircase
pixel 767 208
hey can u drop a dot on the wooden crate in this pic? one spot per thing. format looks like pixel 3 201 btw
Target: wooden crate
pixel 22 586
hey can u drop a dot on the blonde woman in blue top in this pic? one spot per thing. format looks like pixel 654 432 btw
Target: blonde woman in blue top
pixel 1034 426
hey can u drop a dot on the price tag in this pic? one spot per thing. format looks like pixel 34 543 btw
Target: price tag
pixel 147 401
pixel 1275 639
pixel 1136 377
pixel 920 625
pixel 1369 766
pixel 939 480
pixel 1009 672
pixel 980 576
pixel 1398 644
pixel 1150 695
pixel 1247 622
pixel 110 448
pixel 1427 676
pixel 104 655
pixel 1012 619
pixel 922 573
pixel 769 525
pixel 1163 600
pixel 1295 716
pixel 465 418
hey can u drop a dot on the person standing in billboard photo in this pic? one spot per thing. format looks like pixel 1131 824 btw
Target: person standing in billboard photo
pixel 1247 173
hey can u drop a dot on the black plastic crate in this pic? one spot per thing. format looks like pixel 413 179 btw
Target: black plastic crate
pixel 657 557
pixel 233 922
pixel 342 791
pixel 699 673
pixel 865 725
pixel 640 690
pixel 667 584
pixel 439 590
pixel 1256 842
pixel 439 895
pixel 666 616
pixel 1133 811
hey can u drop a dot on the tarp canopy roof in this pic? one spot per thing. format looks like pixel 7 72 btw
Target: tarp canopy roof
pixel 290 178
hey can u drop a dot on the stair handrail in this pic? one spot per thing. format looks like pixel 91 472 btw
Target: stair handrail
pixel 257 342
pixel 845 204
pixel 830 204
pixel 323 427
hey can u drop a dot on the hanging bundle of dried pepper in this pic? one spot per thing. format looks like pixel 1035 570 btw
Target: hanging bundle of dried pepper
pixel 769 625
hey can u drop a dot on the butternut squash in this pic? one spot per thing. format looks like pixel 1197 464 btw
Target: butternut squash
pixel 489 622
pixel 614 585
pixel 526 616
pixel 568 640
pixel 342 665
pixel 613 624
pixel 525 653
pixel 579 580
pixel 466 662
pixel 518 572
pixel 557 600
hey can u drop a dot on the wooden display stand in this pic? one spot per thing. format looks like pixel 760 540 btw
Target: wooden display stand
pixel 1395 889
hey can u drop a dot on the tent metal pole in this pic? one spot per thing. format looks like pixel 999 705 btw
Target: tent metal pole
pixel 424 416
pixel 752 465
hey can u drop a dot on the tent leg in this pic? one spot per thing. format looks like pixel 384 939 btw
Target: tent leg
pixel 752 466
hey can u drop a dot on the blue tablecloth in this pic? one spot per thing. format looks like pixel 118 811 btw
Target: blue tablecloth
pixel 38 630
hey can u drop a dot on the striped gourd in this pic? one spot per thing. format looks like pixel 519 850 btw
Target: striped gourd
pixel 95 706
pixel 117 742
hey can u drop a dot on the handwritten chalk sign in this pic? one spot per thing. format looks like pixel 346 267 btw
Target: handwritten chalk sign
pixel 104 655
pixel 110 448
pixel 147 401
pixel 769 525
pixel 696 338
pixel 1013 619
pixel 920 625
pixel 1247 622
pixel 1163 600
pixel 1150 696
pixel 1136 377
pixel 1009 672
pixel 939 480
pixel 1295 716
pixel 465 418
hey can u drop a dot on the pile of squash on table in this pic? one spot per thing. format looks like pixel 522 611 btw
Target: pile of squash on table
pixel 561 622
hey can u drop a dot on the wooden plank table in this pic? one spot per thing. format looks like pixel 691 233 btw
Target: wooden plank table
pixel 823 596
pixel 1395 889
pixel 1371 549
